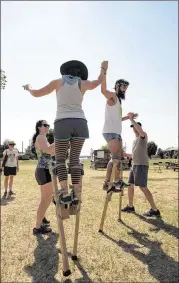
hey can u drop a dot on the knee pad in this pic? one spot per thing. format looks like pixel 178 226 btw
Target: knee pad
pixel 60 162
pixel 119 166
pixel 74 168
pixel 110 163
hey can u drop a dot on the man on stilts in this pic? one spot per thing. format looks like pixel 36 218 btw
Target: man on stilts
pixel 113 127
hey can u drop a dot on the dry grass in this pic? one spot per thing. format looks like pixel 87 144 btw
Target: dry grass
pixel 139 250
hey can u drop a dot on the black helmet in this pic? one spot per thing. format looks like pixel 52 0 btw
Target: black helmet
pixel 122 82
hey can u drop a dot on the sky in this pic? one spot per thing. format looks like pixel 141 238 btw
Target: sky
pixel 138 38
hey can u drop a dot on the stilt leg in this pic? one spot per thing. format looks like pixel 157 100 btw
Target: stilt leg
pixel 76 211
pixel 60 213
pixel 108 197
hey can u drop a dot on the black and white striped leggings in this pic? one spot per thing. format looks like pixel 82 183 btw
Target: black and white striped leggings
pixel 61 148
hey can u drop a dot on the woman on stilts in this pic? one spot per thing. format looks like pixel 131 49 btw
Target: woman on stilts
pixel 70 125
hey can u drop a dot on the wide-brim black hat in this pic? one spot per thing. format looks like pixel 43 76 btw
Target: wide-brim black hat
pixel 75 64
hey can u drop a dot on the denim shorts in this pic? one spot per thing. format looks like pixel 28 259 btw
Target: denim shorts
pixel 111 136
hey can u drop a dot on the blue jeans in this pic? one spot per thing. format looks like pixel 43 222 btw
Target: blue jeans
pixel 111 136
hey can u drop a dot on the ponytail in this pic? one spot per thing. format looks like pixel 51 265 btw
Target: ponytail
pixel 38 124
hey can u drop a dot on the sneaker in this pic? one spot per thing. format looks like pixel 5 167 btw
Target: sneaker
pixel 4 195
pixel 152 212
pixel 66 199
pixel 128 209
pixel 105 185
pixel 120 185
pixel 11 193
pixel 42 230
pixel 45 221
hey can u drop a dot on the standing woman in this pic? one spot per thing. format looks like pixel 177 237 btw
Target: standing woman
pixel 10 166
pixel 42 173
pixel 70 124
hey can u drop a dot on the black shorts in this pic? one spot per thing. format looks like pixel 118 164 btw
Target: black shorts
pixel 10 171
pixel 43 176
pixel 138 175
pixel 67 129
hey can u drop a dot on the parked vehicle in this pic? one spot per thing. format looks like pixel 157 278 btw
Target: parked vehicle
pixel 100 159
pixel 23 156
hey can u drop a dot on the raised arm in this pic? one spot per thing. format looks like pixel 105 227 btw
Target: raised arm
pixel 41 143
pixel 42 91
pixel 138 129
pixel 108 94
pixel 90 85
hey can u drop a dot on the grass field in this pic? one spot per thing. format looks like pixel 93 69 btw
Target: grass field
pixel 138 250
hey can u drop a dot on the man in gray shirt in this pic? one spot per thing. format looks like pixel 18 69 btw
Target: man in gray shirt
pixel 139 172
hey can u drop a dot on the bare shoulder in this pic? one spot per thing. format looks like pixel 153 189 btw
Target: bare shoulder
pixel 58 84
pixel 85 85
pixel 40 139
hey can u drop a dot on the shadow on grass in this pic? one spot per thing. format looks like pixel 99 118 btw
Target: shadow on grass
pixel 46 263
pixel 160 225
pixel 160 266
pixel 83 272
pixel 161 179
pixel 6 201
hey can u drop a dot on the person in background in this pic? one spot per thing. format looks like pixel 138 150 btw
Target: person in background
pixel 44 152
pixel 139 172
pixel 10 166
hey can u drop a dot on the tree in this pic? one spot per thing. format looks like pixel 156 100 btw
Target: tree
pixel 6 142
pixel 3 147
pixel 50 136
pixel 30 152
pixel 104 147
pixel 3 79
pixel 152 148
pixel 160 153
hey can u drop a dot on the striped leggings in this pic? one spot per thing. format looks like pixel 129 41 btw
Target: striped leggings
pixel 61 148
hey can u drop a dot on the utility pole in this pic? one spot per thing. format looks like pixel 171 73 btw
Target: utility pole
pixel 22 147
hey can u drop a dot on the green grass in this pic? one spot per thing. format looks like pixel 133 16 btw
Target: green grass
pixel 138 250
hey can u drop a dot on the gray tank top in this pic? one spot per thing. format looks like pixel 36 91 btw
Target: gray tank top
pixel 69 99
pixel 139 151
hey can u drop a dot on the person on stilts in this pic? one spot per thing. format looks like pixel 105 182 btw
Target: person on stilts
pixel 70 125
pixel 113 127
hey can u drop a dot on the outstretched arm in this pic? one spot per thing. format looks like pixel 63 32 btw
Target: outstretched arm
pixel 134 115
pixel 42 91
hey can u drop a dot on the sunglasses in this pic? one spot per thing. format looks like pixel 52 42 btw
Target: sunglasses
pixel 11 144
pixel 46 125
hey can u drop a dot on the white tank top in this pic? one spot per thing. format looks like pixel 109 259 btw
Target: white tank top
pixel 69 99
pixel 113 118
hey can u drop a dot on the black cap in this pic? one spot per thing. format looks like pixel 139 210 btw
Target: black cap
pixel 137 123
pixel 75 64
